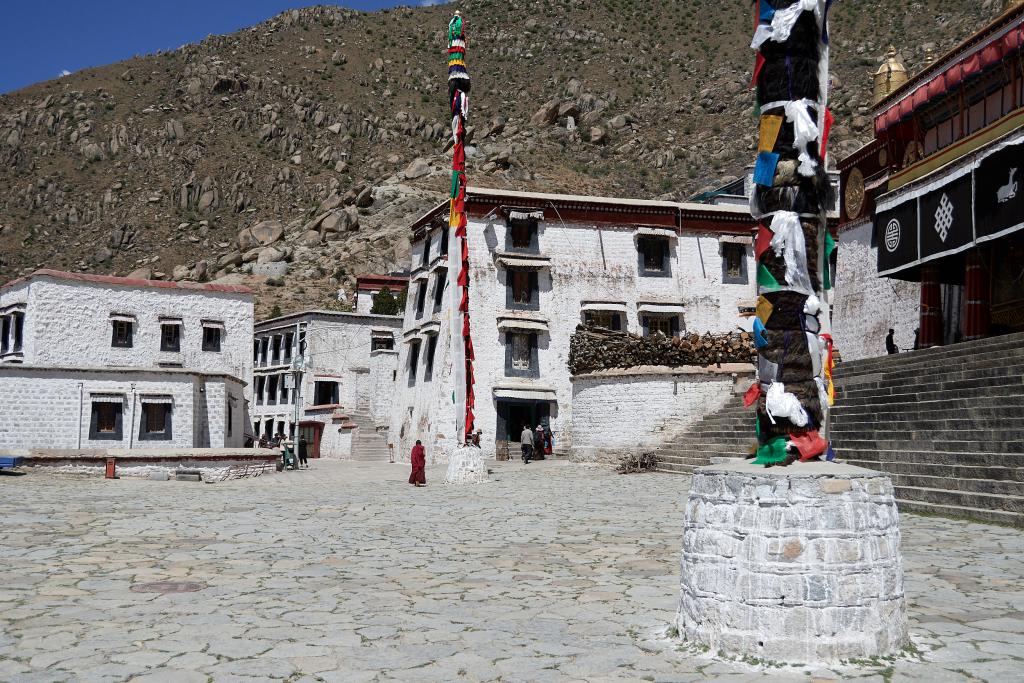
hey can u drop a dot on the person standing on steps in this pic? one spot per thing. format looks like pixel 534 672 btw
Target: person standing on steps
pixel 538 443
pixel 419 465
pixel 526 441
pixel 890 343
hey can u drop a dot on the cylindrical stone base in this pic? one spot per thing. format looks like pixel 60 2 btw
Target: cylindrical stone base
pixel 466 466
pixel 796 564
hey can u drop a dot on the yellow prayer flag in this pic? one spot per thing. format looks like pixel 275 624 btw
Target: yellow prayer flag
pixel 764 309
pixel 770 126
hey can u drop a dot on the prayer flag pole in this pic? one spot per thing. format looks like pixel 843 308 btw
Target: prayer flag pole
pixel 790 200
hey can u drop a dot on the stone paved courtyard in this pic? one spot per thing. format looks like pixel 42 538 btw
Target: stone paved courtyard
pixel 552 572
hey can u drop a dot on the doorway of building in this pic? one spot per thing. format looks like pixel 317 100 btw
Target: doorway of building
pixel 312 433
pixel 513 414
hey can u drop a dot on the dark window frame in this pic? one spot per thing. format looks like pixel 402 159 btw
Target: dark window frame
pixel 413 361
pixel 270 390
pixel 643 245
pixel 739 252
pixel 122 334
pixel 515 230
pixel 421 298
pixel 671 318
pixel 533 371
pixel 428 367
pixel 145 434
pixel 440 281
pixel 212 345
pixel 287 347
pixel 322 392
pixel 533 288
pixel 615 316
pixel 118 432
pixel 172 344
pixel 6 323
pixel 381 343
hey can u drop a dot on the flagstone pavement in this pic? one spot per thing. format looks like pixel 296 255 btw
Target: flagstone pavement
pixel 551 572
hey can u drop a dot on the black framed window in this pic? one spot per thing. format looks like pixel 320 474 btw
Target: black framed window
pixel 522 290
pixel 105 421
pixel 414 361
pixel 260 385
pixel 382 343
pixel 230 418
pixel 428 370
pixel 444 241
pixel 325 393
pixel 440 280
pixel 271 390
pixel 653 255
pixel 211 338
pixel 734 264
pixel 275 349
pixel 170 337
pixel 121 336
pixel 521 355
pixel 5 333
pixel 255 351
pixel 19 329
pixel 609 320
pixel 286 350
pixel 522 235
pixel 155 422
pixel 421 298
pixel 667 325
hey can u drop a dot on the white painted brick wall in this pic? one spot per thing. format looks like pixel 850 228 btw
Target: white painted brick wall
pixel 578 273
pixel 43 409
pixel 867 306
pixel 68 323
pixel 633 412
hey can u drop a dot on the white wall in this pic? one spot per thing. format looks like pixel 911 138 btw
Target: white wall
pixel 620 412
pixel 587 263
pixel 338 350
pixel 52 408
pixel 866 306
pixel 68 323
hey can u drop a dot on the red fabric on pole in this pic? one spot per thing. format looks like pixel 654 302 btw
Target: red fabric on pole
pixel 758 65
pixel 764 240
pixel 752 395
pixel 827 128
pixel 810 445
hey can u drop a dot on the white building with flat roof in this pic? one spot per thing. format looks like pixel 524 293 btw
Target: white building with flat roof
pixel 332 374
pixel 540 265
pixel 100 362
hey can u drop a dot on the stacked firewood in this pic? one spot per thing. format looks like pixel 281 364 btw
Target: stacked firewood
pixel 594 348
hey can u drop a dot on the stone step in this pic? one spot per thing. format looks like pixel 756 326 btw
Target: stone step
pixel 977 514
pixel 1010 391
pixel 939 384
pixel 943 470
pixel 984 359
pixel 962 499
pixel 841 425
pixel 979 458
pixel 989 368
pixel 1003 488
pixel 977 442
pixel 941 354
pixel 932 409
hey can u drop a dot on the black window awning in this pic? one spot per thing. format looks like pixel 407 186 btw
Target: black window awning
pixel 981 200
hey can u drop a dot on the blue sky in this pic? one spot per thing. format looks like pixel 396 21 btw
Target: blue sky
pixel 40 39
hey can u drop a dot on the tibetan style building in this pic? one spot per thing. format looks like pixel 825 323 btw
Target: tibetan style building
pixel 937 194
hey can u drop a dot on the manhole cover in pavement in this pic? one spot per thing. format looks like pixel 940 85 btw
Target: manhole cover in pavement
pixel 168 587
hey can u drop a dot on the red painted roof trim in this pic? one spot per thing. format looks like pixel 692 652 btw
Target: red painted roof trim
pixel 127 282
pixel 367 283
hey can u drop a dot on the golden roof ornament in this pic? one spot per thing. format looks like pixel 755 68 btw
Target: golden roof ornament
pixel 929 55
pixel 890 76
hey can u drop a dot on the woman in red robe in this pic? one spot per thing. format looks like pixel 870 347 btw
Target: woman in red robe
pixel 419 465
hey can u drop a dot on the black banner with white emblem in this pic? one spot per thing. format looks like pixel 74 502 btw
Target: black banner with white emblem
pixel 947 218
pixel 896 236
pixel 999 193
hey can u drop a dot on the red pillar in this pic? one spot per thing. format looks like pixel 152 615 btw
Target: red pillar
pixel 976 296
pixel 931 308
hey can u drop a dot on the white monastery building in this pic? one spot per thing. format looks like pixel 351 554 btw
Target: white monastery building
pixel 332 374
pixel 99 362
pixel 540 265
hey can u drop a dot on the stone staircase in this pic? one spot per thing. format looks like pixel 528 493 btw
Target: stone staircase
pixel 367 444
pixel 947 424
pixel 728 433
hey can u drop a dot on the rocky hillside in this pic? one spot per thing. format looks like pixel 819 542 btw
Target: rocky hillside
pixel 292 155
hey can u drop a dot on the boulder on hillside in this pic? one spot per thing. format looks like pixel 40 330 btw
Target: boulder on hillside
pixel 417 169
pixel 547 114
pixel 597 135
pixel 365 198
pixel 144 273
pixel 260 235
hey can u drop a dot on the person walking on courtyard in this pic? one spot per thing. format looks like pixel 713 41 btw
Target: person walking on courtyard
pixel 303 444
pixel 526 441
pixel 419 465
pixel 549 441
pixel 538 442
pixel 890 343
